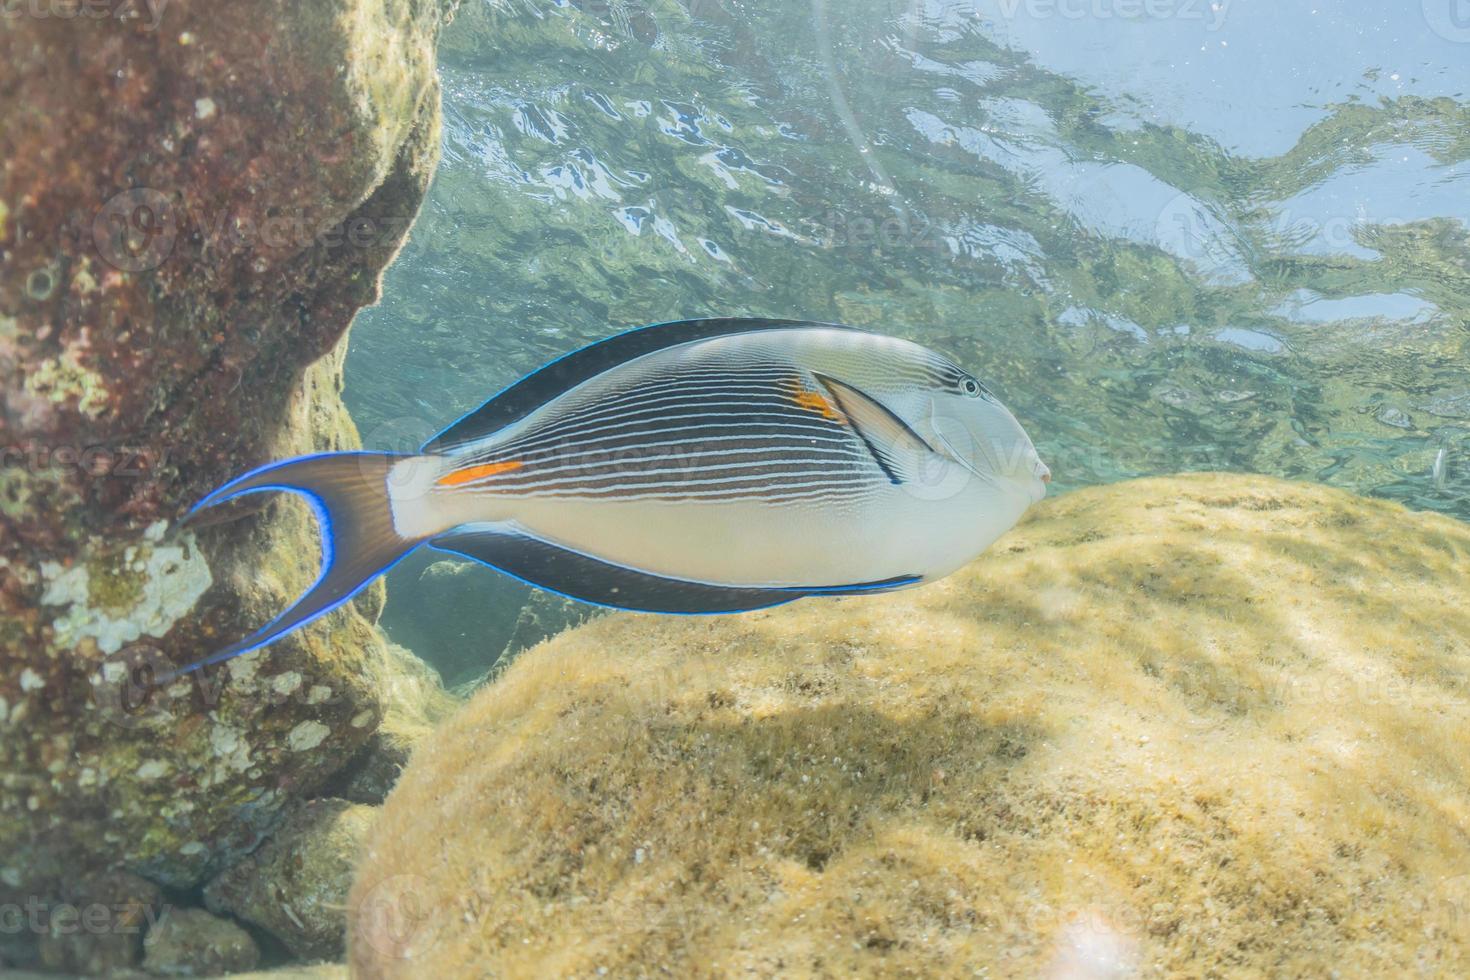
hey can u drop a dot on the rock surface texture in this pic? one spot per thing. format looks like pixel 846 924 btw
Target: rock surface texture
pixel 1202 726
pixel 193 943
pixel 295 887
pixel 195 198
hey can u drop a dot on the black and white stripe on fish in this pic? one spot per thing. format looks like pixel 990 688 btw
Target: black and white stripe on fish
pixel 701 466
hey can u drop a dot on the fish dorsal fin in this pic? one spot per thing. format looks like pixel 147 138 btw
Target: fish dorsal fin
pixel 896 447
pixel 563 374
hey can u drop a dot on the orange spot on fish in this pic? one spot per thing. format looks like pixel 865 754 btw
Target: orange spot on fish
pixel 471 473
pixel 816 402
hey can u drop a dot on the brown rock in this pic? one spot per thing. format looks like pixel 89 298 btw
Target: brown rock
pixel 191 211
pixel 97 925
pixel 193 943
pixel 295 887
pixel 415 702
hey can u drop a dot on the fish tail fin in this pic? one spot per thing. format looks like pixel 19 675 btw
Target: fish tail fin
pixel 350 494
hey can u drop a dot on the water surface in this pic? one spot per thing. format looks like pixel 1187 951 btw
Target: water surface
pixel 1171 236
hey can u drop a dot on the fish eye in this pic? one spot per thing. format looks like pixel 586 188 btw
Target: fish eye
pixel 971 387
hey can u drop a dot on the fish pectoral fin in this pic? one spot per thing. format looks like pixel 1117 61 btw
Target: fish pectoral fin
pixel 897 448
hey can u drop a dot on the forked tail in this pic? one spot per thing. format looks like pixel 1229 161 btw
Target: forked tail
pixel 349 492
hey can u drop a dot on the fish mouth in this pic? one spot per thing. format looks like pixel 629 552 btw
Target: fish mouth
pixel 1042 473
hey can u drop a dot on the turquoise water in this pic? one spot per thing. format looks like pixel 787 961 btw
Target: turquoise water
pixel 1171 236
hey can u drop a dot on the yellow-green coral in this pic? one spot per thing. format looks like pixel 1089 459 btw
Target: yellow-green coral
pixel 1200 726
pixel 60 379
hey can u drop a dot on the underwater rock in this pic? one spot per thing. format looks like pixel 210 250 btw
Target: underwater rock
pixel 415 702
pixel 295 886
pixel 457 610
pixel 97 925
pixel 190 215
pixel 18 950
pixel 316 971
pixel 193 943
pixel 1200 726
pixel 475 619
pixel 466 614
pixel 544 615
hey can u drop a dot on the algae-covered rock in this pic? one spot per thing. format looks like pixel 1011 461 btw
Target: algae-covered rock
pixel 471 619
pixel 190 214
pixel 193 943
pixel 315 971
pixel 415 702
pixel 1202 726
pixel 95 927
pixel 295 886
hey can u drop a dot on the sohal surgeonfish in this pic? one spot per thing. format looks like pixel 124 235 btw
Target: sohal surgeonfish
pixel 704 466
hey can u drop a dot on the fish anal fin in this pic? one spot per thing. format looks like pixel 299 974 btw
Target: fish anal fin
pixel 555 568
pixel 897 448
pixel 578 576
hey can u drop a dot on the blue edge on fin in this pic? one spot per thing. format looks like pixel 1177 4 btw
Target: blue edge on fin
pixel 796 591
pixel 266 634
pixel 586 578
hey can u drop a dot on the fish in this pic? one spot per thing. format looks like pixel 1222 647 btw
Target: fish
pixel 704 466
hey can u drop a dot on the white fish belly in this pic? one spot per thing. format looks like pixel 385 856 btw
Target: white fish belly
pixel 750 543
